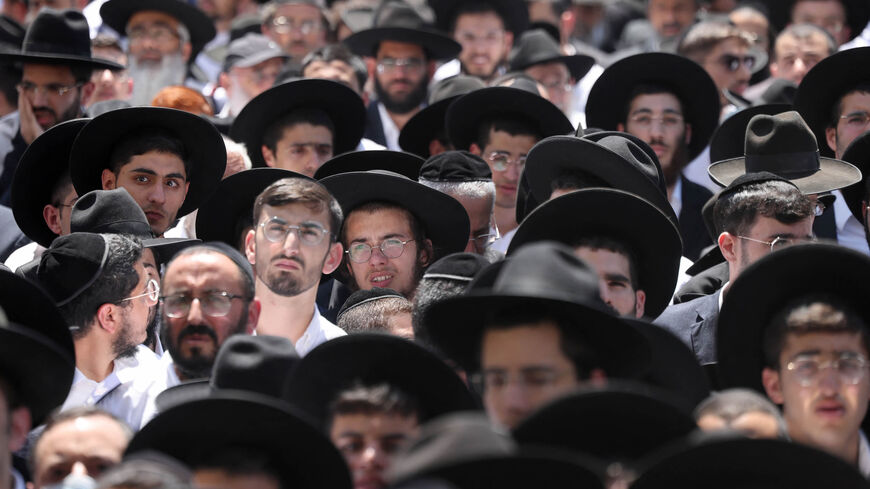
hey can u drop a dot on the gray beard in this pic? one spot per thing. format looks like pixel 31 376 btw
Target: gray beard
pixel 149 78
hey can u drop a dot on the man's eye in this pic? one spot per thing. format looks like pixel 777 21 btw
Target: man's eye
pixel 643 119
pixel 142 179
pixel 350 447
pixel 613 284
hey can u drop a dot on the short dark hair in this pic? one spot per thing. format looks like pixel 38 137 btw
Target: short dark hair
pixel 305 115
pixel 115 282
pixel 81 73
pixel 650 88
pixel 10 75
pixel 373 316
pixel 431 290
pixel 240 461
pixel 339 52
pixel 862 87
pixel 609 243
pixel 703 37
pixel 144 141
pixel 736 212
pixel 379 398
pixel 303 191
pixel 576 179
pixel 815 313
pixel 476 7
pixel 514 125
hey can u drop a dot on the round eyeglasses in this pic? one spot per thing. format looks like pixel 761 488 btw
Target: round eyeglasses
pixel 850 368
pixel 213 304
pixel 310 233
pixel 778 243
pixel 391 248
pixel 151 294
pixel 500 161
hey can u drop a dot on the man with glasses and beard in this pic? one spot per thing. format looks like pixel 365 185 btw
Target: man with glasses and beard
pixel 293 242
pixel 405 52
pixel 100 285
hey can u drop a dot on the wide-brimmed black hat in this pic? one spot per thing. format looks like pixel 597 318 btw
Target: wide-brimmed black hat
pixel 674 367
pixel 729 138
pixel 779 14
pixel 399 162
pixel 342 105
pixel 514 13
pixel 653 239
pixel 236 420
pixel 205 150
pixel 398 21
pixel 37 356
pixel 769 285
pixel 858 154
pixel 71 265
pixel 443 217
pixel 622 422
pixel 545 277
pixel 58 37
pixel 39 170
pixel 609 97
pixel 455 166
pixel 726 462
pixel 783 144
pixel 116 14
pixel 518 101
pixel 372 359
pixel 824 85
pixel 536 47
pixel 425 125
pixel 221 216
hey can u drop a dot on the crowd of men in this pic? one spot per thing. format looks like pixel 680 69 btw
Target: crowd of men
pixel 363 244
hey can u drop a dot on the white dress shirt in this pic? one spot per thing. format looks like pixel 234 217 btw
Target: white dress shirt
pixel 319 330
pixel 850 232
pixel 391 130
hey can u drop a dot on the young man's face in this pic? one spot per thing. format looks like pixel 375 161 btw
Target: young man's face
pixel 157 182
pixel 830 15
pixel 823 410
pixel 659 121
pixel 614 278
pixel 297 28
pixel 485 43
pixel 368 443
pixel 725 72
pixel 42 84
pixel 670 17
pixel 852 122
pixel 401 273
pixel 745 251
pixel 795 57
pixel 556 78
pixel 289 266
pixel 522 368
pixel 515 148
pixel 302 148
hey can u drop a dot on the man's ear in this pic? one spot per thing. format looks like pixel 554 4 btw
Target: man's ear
pixel 426 254
pixel 639 303
pixel 620 127
pixel 51 215
pixel 688 137
pixel 727 244
pixel 251 246
pixel 186 50
pixel 475 149
pixel 831 138
pixel 772 385
pixel 87 91
pixel 254 309
pixel 108 179
pixel 333 258
pixel 597 377
pixel 109 317
pixel 268 156
pixel 20 423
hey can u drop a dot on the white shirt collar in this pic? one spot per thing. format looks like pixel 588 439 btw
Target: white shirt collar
pixel 319 330
pixel 722 294
pixel 863 455
pixel 391 130
pixel 677 196
pixel 841 211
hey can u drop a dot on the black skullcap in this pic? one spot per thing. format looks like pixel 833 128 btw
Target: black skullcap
pixel 455 166
pixel 361 297
pixel 750 178
pixel 457 266
pixel 71 265
pixel 231 253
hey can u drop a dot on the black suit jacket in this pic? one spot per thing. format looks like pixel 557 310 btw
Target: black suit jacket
pixel 694 323
pixel 374 127
pixel 692 228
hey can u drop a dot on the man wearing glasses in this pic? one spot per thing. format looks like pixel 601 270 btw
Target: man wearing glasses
pixel 298 26
pixel 293 243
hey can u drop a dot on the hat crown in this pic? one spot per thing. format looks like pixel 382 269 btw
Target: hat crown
pixel 62 32
pixel 781 133
pixel 254 363
pixel 455 166
pixel 249 45
pixel 535 45
pixel 637 157
pixel 454 87
pixel 397 13
pixel 109 211
pixel 72 264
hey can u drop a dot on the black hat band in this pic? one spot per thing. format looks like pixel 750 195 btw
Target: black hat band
pixel 789 165
pixel 53 48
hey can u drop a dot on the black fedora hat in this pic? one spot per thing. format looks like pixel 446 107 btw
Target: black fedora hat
pixel 442 216
pixel 518 101
pixel 71 265
pixel 536 47
pixel 37 356
pixel 514 13
pixel 40 168
pixel 729 138
pixel 858 154
pixel 116 14
pixel 234 420
pixel 728 462
pixel 609 96
pixel 223 215
pixel 825 84
pixel 344 107
pixel 398 21
pixel 58 37
pixel 546 277
pixel 406 164
pixel 425 125
pixel 621 422
pixel 204 146
pixel 371 359
pixel 653 239
pixel 455 166
pixel 769 285
pixel 783 144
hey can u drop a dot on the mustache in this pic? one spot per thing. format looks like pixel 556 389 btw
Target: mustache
pixel 201 329
pixel 285 257
pixel 45 109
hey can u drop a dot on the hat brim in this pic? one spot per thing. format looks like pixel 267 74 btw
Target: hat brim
pixel 395 161
pixel 626 218
pixel 729 139
pixel 184 392
pixel 437 45
pixel 674 367
pixel 578 64
pixel 858 154
pixel 456 326
pixel 823 86
pixel 832 174
pixel 60 59
pixel 116 14
pixel 218 217
pixel 374 359
pixel 465 115
pixel 38 170
pixel 443 217
pixel 203 144
pixel 165 248
pixel 610 94
pixel 423 126
pixel 303 456
pixel 344 107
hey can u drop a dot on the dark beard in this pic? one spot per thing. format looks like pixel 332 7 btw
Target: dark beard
pixel 678 162
pixel 402 106
pixel 123 345
pixel 197 365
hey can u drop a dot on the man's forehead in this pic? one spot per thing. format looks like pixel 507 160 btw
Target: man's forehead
pixel 655 101
pixel 305 132
pixel 377 223
pixel 47 73
pixel 150 17
pixel 397 49
pixel 210 265
pixel 296 212
pixel 299 10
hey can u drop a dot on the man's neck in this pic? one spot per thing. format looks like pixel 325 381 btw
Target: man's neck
pixel 94 356
pixel 401 119
pixel 846 449
pixel 505 218
pixel 282 315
